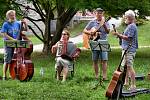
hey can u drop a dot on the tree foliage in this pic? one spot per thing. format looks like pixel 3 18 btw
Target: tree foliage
pixel 4 6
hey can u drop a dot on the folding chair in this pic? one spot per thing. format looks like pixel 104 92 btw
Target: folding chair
pixel 70 69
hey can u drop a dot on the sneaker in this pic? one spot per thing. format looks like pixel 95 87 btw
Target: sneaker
pixel 4 78
pixel 63 81
pixel 58 79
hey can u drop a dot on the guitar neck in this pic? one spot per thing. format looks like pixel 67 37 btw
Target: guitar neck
pixel 103 23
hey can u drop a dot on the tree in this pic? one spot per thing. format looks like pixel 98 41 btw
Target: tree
pixel 4 6
pixel 46 10
pixel 64 10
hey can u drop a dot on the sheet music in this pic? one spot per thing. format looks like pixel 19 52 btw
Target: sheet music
pixel 17 43
pixel 101 45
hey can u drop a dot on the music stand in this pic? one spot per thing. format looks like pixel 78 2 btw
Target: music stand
pixel 17 43
pixel 102 46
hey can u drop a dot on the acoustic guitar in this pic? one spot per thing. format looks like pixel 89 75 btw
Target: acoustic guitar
pixel 115 86
pixel 94 32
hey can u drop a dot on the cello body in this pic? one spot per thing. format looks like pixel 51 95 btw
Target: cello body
pixel 18 71
pixel 21 66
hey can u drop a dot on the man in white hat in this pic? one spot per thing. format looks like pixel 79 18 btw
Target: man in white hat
pixel 129 37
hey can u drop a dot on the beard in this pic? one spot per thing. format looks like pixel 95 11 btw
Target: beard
pixel 126 21
pixel 11 20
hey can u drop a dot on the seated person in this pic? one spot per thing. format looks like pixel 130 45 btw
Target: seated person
pixel 66 52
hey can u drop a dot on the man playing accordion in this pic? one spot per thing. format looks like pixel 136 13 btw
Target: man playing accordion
pixel 66 52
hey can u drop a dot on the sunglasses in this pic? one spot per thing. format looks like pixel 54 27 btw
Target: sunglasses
pixel 64 34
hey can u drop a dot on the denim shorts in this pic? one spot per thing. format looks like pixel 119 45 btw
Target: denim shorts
pixel 8 54
pixel 96 55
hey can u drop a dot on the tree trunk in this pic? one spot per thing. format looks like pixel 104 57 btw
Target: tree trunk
pixel 61 23
pixel 47 35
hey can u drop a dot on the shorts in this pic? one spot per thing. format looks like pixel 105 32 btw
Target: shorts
pixel 8 54
pixel 63 62
pixel 128 58
pixel 96 55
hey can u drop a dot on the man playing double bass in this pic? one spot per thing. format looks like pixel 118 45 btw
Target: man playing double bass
pixel 129 37
pixel 10 29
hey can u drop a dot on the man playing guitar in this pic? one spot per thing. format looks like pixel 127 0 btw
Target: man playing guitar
pixel 129 37
pixel 101 28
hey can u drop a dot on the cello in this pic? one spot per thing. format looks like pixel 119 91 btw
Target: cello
pixel 21 66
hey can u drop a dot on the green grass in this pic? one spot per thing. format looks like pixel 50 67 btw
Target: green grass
pixel 34 40
pixel 76 88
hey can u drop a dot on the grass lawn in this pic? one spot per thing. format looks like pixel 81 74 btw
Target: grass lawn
pixel 76 88
pixel 79 87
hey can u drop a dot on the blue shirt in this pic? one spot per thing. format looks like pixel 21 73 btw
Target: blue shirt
pixel 95 23
pixel 12 29
pixel 131 32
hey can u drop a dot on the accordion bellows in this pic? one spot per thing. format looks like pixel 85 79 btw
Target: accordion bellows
pixel 71 53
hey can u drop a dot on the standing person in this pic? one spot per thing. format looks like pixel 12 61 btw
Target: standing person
pixel 10 30
pixel 63 63
pixel 103 30
pixel 129 37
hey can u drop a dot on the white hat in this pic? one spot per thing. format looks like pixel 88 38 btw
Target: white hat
pixel 130 13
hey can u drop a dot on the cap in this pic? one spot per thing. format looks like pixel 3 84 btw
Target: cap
pixel 99 10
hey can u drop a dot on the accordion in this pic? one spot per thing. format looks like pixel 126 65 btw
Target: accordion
pixel 71 51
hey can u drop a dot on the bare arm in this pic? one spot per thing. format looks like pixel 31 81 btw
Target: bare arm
pixel 87 31
pixel 54 48
pixel 121 36
pixel 8 37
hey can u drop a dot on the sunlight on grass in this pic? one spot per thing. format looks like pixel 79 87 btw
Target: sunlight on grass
pixel 77 88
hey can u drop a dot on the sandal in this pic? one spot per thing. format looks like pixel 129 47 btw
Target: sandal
pixel 132 89
pixel 105 79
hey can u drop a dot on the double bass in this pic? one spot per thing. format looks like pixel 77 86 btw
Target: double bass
pixel 21 66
